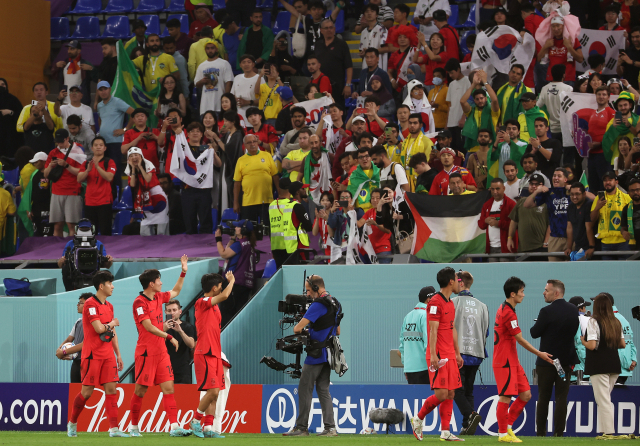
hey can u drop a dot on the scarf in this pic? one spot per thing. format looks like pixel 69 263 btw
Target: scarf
pixel 74 65
pixel 514 106
pixel 630 220
pixel 470 129
pixel 530 116
pixel 613 134
pixel 382 94
pixel 495 160
pixel 360 185
pixel 411 146
pixel 317 175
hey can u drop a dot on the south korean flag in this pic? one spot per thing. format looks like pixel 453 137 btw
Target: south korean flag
pixel 604 43
pixel 193 172
pixel 499 47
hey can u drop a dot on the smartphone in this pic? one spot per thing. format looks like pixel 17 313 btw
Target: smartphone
pixel 343 203
pixel 601 195
pixel 502 128
pixel 318 95
pixel 385 194
pixel 618 116
pixel 34 102
pixel 168 317
pixel 173 120
pixel 636 140
pixel 326 108
pixel 65 88
pixel 388 130
pixel 286 84
pixel 361 111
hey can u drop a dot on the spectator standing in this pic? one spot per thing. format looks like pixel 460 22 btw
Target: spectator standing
pixel 154 65
pixel 373 35
pixel 176 219
pixel 285 63
pixel 416 142
pixel 437 97
pixel 372 60
pixel 434 56
pixel 80 134
pixel 290 141
pixel 267 137
pixel 253 177
pixel 197 54
pixel 283 121
pixel 530 112
pixel 549 99
pixel 331 141
pixel 312 14
pixel 607 211
pixel 530 167
pixel 472 322
pixel 66 201
pixel 630 221
pixel 231 42
pixel 257 40
pixel 244 84
pixel 293 163
pixel 480 115
pixel 477 162
pixel 364 180
pixel 74 106
pixel 139 31
pixel 424 14
pixel 171 97
pixel 617 128
pixel 98 173
pixel 392 174
pixel 215 77
pixel 72 70
pixel 558 49
pixel 318 78
pixel 628 65
pixel 414 337
pixel 7 209
pixel 169 47
pixel 426 174
pixel 405 38
pixel 546 151
pixel 511 93
pixel 582 305
pixel 531 223
pixel 39 122
pixel 457 186
pixel 556 327
pixel 508 146
pixel 185 334
pixel 380 236
pixel 77 338
pixel 334 55
pixel 108 68
pixel 144 137
pixel 183 41
pixel 268 99
pixel 457 88
pixel 36 200
pixel 10 109
pixel 203 18
pixel 232 151
pixel 512 183
pixel 579 228
pixel 495 220
pixel 440 185
pixel 449 34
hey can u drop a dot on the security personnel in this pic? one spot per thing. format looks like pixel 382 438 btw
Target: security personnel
pixel 413 340
pixel 289 221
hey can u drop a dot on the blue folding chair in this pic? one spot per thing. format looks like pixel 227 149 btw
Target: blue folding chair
pixel 471 19
pixel 118 7
pixel 267 4
pixel 87 7
pixel 214 218
pixel 175 6
pixel 282 21
pixel 59 28
pixel 453 18
pixel 152 22
pixel 121 219
pixel 184 23
pixel 218 4
pixel 463 41
pixel 339 21
pixel 413 22
pixel 228 214
pixel 266 18
pixel 87 28
pixel 149 6
pixel 269 269
pixel 12 176
pixel 118 27
pixel 126 202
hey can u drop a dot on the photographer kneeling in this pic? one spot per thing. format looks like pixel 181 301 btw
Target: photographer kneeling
pixel 241 259
pixel 325 323
pixel 82 257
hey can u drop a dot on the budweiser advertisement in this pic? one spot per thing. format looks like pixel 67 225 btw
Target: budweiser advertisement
pixel 242 413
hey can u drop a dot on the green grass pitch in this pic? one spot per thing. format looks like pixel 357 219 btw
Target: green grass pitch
pixel 99 439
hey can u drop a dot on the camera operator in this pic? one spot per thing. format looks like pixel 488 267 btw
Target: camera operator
pixel 71 267
pixel 240 259
pixel 316 370
pixel 185 334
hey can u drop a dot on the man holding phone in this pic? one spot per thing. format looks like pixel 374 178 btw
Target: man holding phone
pixel 596 128
pixel 607 210
pixel 624 123
pixel 185 334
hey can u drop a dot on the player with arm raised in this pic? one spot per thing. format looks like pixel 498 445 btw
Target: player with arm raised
pixel 207 356
pixel 510 376
pixel 443 356
pixel 99 367
pixel 153 366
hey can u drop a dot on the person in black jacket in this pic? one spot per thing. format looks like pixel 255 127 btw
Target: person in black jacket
pixel 556 325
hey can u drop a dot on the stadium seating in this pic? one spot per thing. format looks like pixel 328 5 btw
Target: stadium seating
pixel 175 6
pixel 453 18
pixel 149 6
pixel 152 22
pixel 59 28
pixel 339 21
pixel 87 7
pixel 117 27
pixel 118 7
pixel 282 21
pixel 265 4
pixel 87 28
pixel 121 219
pixel 266 18
pixel 463 41
pixel 218 4
pixel 184 23
pixel 471 19
pixel 269 269
pixel 126 202
pixel 214 218
pixel 12 176
pixel 228 214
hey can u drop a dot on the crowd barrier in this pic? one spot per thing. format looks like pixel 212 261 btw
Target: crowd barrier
pixel 255 408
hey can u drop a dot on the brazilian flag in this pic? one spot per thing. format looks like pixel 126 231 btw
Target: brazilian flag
pixel 128 87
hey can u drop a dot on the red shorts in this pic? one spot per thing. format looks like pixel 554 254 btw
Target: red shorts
pixel 209 372
pixel 96 372
pixel 153 370
pixel 446 377
pixel 511 381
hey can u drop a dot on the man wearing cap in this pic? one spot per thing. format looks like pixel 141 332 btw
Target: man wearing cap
pixel 509 94
pixel 618 128
pixel 253 177
pixel 413 340
pixel 155 65
pixel 531 223
pixel 257 39
pixel 582 305
pixel 71 70
pixel 289 222
pixel 36 200
pixel 630 225
pixel 608 212
pixel 76 107
pixel 559 49
pixel 215 77
pixel 526 118
pixel 579 228
pixel 139 30
pixel 182 40
pixel 66 201
pixel 500 16
pixel 440 185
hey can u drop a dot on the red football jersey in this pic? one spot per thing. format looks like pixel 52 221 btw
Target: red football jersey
pixel 145 308
pixel 504 341
pixel 208 320
pixel 442 310
pixel 93 347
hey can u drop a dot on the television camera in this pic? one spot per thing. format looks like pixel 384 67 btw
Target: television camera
pixel 246 226
pixel 84 259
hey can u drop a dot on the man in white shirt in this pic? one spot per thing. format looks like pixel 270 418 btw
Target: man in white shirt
pixel 358 127
pixel 72 67
pixel 215 76
pixel 385 14
pixel 244 84
pixel 457 87
pixel 512 183
pixel 76 107
pixel 373 35
pixel 398 177
pixel 550 97
pixel 423 15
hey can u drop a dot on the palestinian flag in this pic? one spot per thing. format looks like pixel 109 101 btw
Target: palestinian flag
pixel 447 226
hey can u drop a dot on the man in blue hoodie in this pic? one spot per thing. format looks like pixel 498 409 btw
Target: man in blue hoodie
pixel 413 340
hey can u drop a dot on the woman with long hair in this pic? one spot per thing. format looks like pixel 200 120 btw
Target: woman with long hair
pixel 320 225
pixel 602 339
pixel 227 102
pixel 170 97
pixel 582 82
pixel 595 81
pixel 623 161
pixel 233 150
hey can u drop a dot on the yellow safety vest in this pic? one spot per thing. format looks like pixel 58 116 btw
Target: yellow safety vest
pixel 283 234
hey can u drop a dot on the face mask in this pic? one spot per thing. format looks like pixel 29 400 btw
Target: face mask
pixel 437 81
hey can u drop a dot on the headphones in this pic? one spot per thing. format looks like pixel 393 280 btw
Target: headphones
pixel 85 223
pixel 313 286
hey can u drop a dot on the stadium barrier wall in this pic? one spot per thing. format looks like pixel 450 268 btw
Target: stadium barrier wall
pixel 273 409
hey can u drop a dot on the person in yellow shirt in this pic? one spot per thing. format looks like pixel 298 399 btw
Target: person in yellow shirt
pixel 607 211
pixel 293 163
pixel 530 113
pixel 416 142
pixel 7 209
pixel 39 122
pixel 393 145
pixel 197 54
pixel 438 99
pixel 269 100
pixel 155 65
pixel 481 115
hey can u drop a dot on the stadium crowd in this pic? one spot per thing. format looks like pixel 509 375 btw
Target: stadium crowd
pixel 231 128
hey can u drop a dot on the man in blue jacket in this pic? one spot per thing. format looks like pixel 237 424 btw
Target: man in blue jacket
pixel 413 340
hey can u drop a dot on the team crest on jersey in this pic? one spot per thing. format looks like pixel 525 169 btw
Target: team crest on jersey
pixel 514 324
pixel 92 311
pixel 162 65
pixel 139 310
pixel 433 310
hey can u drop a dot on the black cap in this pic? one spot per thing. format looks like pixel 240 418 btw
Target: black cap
pixel 426 293
pixel 60 135
pixel 538 178
pixel 528 96
pixel 499 9
pixel 610 174
pixel 295 187
pixel 74 44
pixel 445 134
pixel 578 301
pixel 139 24
pixel 440 15
pixel 284 183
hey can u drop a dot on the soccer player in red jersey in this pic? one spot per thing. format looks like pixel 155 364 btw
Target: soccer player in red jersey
pixel 153 366
pixel 510 376
pixel 207 356
pixel 443 356
pixel 98 366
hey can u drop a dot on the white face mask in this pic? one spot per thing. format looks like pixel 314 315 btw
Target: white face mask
pixel 437 81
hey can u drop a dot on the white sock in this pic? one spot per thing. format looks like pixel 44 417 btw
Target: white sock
pixel 208 428
pixel 509 426
pixel 445 433
pixel 502 434
pixel 113 429
pixel 174 426
pixel 200 412
pixel 72 424
pixel 133 427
